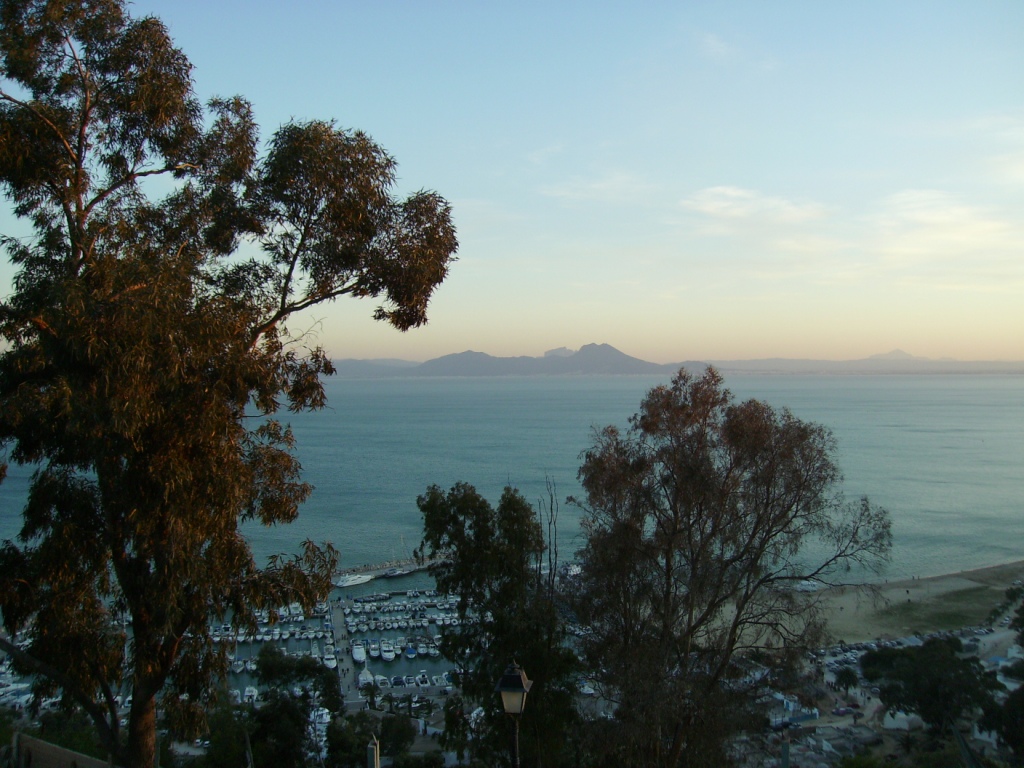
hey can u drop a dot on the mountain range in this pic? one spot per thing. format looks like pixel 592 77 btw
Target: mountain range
pixel 604 360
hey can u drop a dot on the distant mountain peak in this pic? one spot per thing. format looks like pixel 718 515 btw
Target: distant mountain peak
pixel 560 352
pixel 896 354
pixel 604 359
pixel 606 350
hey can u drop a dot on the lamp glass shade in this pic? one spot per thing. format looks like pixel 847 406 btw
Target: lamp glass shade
pixel 513 688
pixel 513 701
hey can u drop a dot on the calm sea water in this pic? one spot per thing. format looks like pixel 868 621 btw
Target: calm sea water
pixel 944 454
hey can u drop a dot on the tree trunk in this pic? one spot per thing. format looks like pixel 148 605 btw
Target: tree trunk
pixel 142 732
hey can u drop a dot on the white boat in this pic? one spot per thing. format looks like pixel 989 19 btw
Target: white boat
pixel 387 650
pixel 365 677
pixel 374 649
pixel 251 693
pixel 358 652
pixel 353 579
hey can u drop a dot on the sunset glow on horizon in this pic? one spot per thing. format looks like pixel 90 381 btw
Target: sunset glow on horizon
pixel 682 181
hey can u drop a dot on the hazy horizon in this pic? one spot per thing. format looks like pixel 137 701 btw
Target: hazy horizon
pixel 894 354
pixel 689 181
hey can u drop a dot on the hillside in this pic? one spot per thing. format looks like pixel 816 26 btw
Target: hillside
pixel 604 360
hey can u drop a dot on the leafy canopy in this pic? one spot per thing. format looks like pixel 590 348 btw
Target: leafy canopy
pixel 931 680
pixel 702 523
pixel 145 349
pixel 494 558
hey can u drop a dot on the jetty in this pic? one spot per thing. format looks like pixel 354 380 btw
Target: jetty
pixel 389 568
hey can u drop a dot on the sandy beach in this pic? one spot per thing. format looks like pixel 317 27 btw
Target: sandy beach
pixel 892 609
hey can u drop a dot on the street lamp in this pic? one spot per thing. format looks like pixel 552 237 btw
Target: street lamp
pixel 513 688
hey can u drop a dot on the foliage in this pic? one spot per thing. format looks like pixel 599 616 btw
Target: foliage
pixel 1008 721
pixel 370 691
pixel 7 717
pixel 227 737
pixel 947 754
pixel 280 735
pixel 701 521
pixel 69 730
pixel 433 759
pixel 1017 622
pixel 296 685
pixel 146 350
pixel 880 662
pixel 931 680
pixel 397 733
pixel 276 669
pixel 493 559
pixel 861 761
pixel 1015 670
pixel 347 738
pixel 846 678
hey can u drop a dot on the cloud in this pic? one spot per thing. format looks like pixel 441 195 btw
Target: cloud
pixel 612 187
pixel 544 154
pixel 738 203
pixel 711 46
pixel 931 228
pixel 994 141
pixel 1008 167
pixel 714 48
pixel 922 238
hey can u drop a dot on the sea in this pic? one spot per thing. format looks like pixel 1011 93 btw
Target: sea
pixel 943 453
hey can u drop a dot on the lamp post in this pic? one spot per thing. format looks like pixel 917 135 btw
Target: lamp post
pixel 513 688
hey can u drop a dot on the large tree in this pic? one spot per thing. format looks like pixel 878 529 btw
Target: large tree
pixel 497 560
pixel 145 349
pixel 704 522
pixel 931 680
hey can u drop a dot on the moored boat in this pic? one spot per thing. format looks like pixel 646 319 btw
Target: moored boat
pixel 353 579
pixel 358 652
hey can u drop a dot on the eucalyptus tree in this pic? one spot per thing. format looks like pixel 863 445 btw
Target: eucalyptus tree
pixel 932 680
pixel 497 560
pixel 146 351
pixel 704 523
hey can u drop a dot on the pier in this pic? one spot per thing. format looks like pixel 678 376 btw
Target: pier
pixel 389 568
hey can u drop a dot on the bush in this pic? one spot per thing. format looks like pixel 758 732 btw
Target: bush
pixel 1015 670
pixel 397 733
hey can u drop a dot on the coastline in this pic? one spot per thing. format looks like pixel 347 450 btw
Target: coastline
pixel 901 608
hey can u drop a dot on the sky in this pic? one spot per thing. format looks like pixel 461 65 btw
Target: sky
pixel 681 180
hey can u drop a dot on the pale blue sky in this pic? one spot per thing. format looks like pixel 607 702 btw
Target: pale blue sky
pixel 687 180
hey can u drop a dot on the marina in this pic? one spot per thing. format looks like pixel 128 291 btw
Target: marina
pixel 383 644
